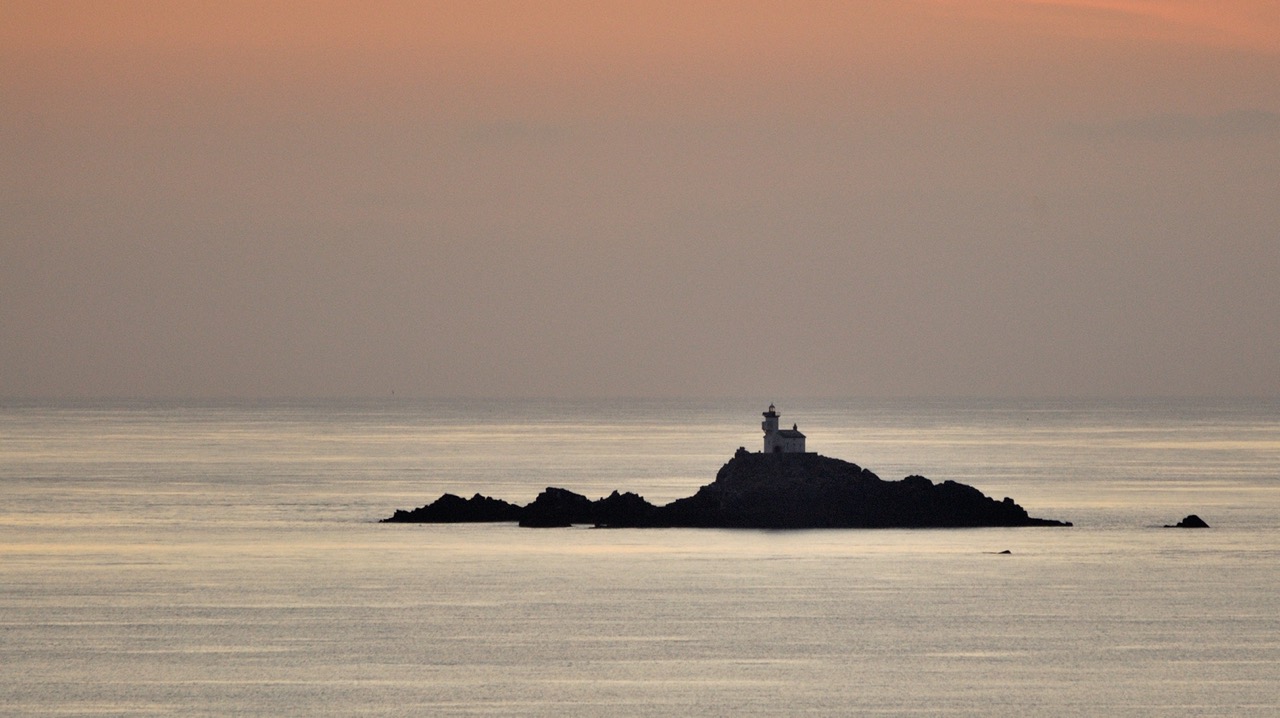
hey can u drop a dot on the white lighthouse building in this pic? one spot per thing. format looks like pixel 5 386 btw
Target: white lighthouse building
pixel 780 441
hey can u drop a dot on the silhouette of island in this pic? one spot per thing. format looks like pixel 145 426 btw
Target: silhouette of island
pixel 784 490
pixel 784 487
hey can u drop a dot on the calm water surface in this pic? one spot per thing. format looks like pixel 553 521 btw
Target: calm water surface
pixel 224 559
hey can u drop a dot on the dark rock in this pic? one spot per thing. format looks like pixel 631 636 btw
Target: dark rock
pixel 1190 522
pixel 773 491
pixel 623 510
pixel 559 507
pixel 812 491
pixel 450 509
pixel 556 508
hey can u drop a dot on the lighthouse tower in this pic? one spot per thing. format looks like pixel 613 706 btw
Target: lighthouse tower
pixel 780 441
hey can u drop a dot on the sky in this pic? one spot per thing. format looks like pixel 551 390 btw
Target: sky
pixel 561 198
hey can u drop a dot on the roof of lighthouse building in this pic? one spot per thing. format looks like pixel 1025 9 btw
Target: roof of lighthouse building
pixel 792 433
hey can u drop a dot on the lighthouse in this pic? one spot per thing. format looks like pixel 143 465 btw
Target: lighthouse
pixel 780 441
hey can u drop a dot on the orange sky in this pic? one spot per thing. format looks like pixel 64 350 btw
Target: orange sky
pixel 676 53
pixel 957 197
pixel 592 28
pixel 1251 26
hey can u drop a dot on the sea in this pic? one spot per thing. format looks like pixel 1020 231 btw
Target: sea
pixel 226 559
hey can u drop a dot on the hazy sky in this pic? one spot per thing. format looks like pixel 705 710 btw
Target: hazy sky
pixel 760 199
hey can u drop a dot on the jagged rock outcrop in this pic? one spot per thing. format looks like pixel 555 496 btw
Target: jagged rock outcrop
pixel 812 491
pixel 777 491
pixel 450 509
pixel 559 507
pixel 1190 522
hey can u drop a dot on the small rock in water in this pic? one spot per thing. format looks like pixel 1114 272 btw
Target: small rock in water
pixel 1190 522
